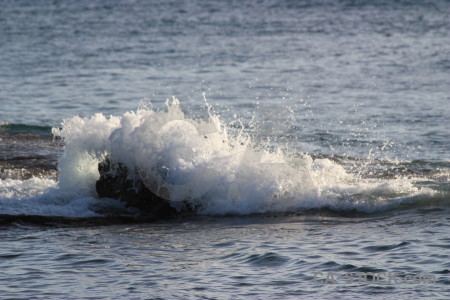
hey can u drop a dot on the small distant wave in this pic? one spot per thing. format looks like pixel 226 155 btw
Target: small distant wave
pixel 23 129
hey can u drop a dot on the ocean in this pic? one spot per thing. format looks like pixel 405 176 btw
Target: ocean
pixel 309 139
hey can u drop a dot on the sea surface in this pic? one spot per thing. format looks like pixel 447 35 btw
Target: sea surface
pixel 312 138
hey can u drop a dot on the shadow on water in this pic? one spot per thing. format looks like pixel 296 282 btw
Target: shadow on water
pixel 322 216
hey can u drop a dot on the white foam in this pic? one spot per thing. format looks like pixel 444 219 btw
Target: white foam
pixel 86 142
pixel 37 196
pixel 341 190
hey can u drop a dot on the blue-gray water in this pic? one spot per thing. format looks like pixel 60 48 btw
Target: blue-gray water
pixel 359 90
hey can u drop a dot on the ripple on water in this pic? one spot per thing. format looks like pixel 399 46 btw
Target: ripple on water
pixel 8 256
pixel 90 262
pixel 224 244
pixel 443 246
pixel 378 248
pixel 269 259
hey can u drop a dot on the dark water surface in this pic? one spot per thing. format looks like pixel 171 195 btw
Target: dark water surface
pixel 346 106
pixel 231 257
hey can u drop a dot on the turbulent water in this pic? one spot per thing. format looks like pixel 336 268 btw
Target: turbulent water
pixel 311 137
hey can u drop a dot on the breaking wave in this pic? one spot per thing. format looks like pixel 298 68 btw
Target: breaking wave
pixel 220 171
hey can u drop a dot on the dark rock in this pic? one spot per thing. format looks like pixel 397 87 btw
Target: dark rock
pixel 115 183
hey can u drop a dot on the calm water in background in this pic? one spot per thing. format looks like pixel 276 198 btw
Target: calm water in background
pixel 365 84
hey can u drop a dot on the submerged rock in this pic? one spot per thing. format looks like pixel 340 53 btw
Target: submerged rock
pixel 114 182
